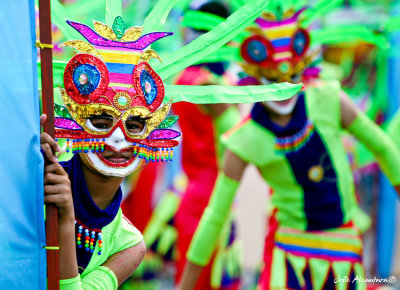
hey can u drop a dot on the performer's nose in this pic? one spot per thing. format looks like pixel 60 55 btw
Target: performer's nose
pixel 117 136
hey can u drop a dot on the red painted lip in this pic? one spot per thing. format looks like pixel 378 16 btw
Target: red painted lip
pixel 117 159
pixel 112 149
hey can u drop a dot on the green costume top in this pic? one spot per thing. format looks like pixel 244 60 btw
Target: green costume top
pixel 117 236
pixel 304 162
pixel 300 166
pixel 100 233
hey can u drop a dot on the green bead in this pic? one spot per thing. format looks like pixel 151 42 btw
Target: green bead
pixel 91 247
pixel 78 242
pixel 86 245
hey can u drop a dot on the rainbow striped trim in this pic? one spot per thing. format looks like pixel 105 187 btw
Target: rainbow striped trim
pixel 295 142
pixel 120 63
pixel 280 34
pixel 339 244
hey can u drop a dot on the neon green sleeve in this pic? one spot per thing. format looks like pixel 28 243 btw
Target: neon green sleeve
pixel 102 278
pixel 379 144
pixel 227 120
pixel 71 284
pixel 212 221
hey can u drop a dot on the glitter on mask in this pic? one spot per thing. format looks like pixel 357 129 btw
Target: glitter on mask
pixel 163 134
pixel 168 122
pixel 64 123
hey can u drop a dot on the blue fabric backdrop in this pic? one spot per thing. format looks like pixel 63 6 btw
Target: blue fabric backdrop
pixel 22 257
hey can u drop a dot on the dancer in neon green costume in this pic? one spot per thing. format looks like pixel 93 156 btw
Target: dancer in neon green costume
pixel 104 102
pixel 296 145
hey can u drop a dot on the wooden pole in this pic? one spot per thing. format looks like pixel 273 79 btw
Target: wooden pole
pixel 46 56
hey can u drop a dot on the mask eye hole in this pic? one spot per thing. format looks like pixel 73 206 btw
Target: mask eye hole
pixel 300 42
pixel 135 125
pixel 101 123
pixel 256 49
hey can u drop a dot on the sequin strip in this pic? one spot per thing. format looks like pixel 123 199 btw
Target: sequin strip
pixel 90 238
pixel 296 142
pixel 96 39
pixel 163 134
pixel 64 123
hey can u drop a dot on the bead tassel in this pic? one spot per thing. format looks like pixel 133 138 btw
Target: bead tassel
pixel 149 154
pixel 90 240
pixel 85 145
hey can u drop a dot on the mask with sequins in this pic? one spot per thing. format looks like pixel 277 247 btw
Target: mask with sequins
pixel 114 112
pixel 277 50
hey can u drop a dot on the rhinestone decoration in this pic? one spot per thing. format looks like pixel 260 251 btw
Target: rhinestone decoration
pixel 316 173
pixel 83 79
pixel 61 111
pixel 119 27
pixel 163 134
pixel 122 100
pixel 168 122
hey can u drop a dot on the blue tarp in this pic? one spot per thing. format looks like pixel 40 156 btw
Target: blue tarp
pixel 22 257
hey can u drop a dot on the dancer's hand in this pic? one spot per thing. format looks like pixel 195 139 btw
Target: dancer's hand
pixel 47 143
pixel 57 190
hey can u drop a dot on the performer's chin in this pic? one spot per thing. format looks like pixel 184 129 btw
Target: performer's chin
pixel 113 166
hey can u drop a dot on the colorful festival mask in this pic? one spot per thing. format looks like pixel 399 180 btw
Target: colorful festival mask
pixel 277 49
pixel 110 79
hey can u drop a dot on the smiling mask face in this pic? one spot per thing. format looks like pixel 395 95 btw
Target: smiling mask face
pixel 114 100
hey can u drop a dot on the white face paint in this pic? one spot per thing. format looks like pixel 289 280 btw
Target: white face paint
pixel 116 160
pixel 282 107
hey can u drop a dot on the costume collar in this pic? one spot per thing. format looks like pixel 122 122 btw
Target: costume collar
pixel 299 118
